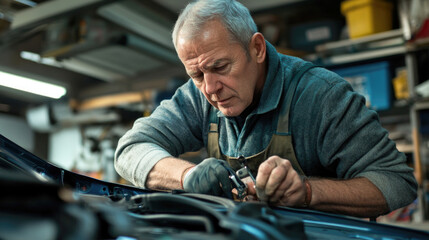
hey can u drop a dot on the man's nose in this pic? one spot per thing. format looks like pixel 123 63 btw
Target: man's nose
pixel 212 83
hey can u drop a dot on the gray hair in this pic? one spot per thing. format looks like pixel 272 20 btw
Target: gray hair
pixel 234 16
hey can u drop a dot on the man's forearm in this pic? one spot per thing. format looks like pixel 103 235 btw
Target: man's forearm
pixel 167 174
pixel 355 197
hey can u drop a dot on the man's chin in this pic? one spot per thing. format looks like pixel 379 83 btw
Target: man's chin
pixel 229 112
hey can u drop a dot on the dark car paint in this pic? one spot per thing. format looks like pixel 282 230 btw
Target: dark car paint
pixel 30 183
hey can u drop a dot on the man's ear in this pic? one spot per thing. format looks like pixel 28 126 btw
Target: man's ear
pixel 258 47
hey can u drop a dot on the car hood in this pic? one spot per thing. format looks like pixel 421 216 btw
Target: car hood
pixel 44 201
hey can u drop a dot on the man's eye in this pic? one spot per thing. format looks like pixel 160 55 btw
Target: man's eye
pixel 220 68
pixel 198 78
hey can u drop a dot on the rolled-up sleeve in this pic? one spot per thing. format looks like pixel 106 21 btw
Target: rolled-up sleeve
pixel 360 147
pixel 172 129
pixel 337 134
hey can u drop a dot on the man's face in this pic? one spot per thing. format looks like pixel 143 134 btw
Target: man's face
pixel 220 68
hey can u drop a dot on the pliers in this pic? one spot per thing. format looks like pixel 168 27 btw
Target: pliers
pixel 236 181
pixel 237 176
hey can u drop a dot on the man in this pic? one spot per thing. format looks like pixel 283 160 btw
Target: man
pixel 304 133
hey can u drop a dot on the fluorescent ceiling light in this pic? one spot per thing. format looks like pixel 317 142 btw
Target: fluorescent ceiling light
pixel 37 58
pixel 27 2
pixel 31 85
pixel 75 64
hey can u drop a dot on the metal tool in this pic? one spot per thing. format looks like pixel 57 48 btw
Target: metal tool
pixel 236 181
pixel 244 170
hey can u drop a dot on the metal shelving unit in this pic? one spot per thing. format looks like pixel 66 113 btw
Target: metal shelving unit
pixel 381 46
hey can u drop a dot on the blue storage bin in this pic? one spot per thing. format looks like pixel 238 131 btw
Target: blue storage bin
pixel 372 81
pixel 306 36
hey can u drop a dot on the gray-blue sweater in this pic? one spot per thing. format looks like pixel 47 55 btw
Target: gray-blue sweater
pixel 334 134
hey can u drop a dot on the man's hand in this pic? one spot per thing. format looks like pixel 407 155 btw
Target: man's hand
pixel 209 177
pixel 278 183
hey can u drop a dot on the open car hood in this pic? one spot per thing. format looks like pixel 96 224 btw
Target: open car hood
pixel 42 201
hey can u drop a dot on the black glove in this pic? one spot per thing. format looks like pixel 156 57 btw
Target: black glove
pixel 209 177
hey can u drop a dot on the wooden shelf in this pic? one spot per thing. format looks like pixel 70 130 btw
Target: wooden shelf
pixel 422 104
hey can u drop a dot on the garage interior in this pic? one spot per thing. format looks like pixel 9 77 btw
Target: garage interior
pixel 113 62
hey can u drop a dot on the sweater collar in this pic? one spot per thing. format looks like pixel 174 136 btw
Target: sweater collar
pixel 273 86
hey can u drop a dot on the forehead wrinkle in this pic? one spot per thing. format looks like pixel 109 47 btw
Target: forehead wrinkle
pixel 215 64
pixel 206 66
pixel 191 63
pixel 192 69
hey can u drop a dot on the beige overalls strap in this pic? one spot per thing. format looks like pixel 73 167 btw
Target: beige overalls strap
pixel 213 149
pixel 281 142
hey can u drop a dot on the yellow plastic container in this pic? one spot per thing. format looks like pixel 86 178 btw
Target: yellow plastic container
pixel 400 85
pixel 366 17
